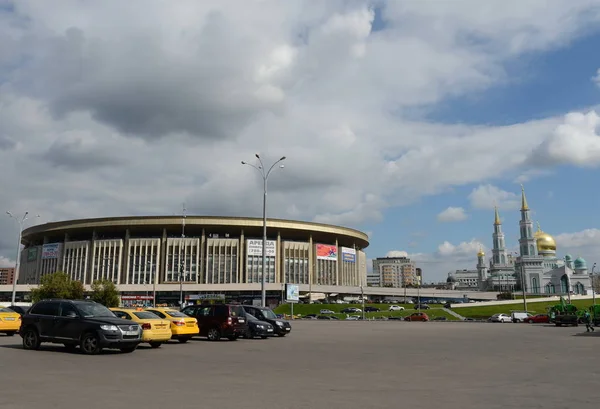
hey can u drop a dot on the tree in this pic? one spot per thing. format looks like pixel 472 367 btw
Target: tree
pixel 105 292
pixel 57 285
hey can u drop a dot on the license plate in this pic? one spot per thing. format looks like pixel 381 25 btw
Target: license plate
pixel 130 332
pixel 287 329
pixel 9 318
pixel 190 324
pixel 270 330
pixel 241 320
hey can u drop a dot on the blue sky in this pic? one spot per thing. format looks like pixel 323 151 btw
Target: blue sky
pixel 542 85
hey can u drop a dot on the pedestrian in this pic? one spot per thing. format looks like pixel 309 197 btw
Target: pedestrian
pixel 588 322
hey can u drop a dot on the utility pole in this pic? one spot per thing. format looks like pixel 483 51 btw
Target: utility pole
pixel 523 288
pixel 182 260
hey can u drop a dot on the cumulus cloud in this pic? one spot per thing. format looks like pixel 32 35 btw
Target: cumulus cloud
pixel 487 196
pixel 396 253
pixel 583 243
pixel 452 214
pixel 462 250
pixel 576 141
pixel 105 111
pixel 6 262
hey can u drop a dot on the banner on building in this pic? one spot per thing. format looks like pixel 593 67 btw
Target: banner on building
pixel 292 292
pixel 32 254
pixel 51 250
pixel 254 247
pixel 326 252
pixel 348 255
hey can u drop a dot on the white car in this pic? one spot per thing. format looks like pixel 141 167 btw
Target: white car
pixel 500 318
pixel 353 317
pixel 326 312
pixel 396 308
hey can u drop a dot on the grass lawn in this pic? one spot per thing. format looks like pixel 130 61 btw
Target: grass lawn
pixel 533 307
pixel 305 309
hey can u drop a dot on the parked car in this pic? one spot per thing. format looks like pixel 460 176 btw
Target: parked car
pixel 440 319
pixel 519 316
pixel 280 327
pixel 500 318
pixel 353 318
pixel 183 328
pixel 10 321
pixel 88 324
pixel 324 317
pixel 396 308
pixel 417 316
pixel 349 310
pixel 325 311
pixel 18 309
pixel 219 320
pixel 538 319
pixel 422 307
pixel 257 328
pixel 372 309
pixel 310 317
pixel 155 330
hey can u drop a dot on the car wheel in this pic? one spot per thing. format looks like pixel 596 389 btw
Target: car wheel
pixel 128 350
pixel 31 339
pixel 183 340
pixel 90 344
pixel 155 344
pixel 214 334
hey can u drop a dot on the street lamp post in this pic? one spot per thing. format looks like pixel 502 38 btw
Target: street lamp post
pixel 265 175
pixel 20 223
pixel 523 288
pixel 593 289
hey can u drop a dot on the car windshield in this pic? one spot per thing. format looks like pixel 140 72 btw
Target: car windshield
pixel 175 314
pixel 2 309
pixel 269 314
pixel 91 310
pixel 145 315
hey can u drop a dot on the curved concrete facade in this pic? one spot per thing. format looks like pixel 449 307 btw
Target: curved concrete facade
pixel 214 253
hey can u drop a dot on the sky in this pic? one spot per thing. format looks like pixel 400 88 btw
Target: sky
pixel 408 120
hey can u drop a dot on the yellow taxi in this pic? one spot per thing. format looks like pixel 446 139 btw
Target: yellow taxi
pixel 10 321
pixel 155 330
pixel 183 328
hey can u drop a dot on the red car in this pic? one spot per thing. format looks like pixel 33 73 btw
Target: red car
pixel 417 316
pixel 538 319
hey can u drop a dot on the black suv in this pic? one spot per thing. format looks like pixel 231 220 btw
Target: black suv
pixel 219 320
pixel 282 327
pixel 88 324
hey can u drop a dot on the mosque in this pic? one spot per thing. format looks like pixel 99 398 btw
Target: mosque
pixel 535 265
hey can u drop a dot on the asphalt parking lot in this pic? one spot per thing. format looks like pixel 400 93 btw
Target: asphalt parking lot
pixel 321 365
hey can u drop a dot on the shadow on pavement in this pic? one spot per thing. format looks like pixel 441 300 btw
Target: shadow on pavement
pixel 587 334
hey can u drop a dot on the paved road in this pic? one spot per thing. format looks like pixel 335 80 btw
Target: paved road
pixel 325 365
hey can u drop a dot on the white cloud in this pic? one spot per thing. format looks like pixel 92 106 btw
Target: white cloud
pixel 596 78
pixel 487 196
pixel 452 214
pixel 6 262
pixel 585 243
pixel 113 112
pixel 462 250
pixel 396 253
pixel 576 141
pixel 530 174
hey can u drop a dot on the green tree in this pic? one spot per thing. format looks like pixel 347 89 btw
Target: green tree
pixel 105 292
pixel 57 285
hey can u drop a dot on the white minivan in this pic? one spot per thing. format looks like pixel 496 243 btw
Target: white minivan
pixel 519 316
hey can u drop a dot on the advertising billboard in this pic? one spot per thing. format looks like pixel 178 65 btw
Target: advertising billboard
pixel 32 254
pixel 326 252
pixel 292 292
pixel 348 255
pixel 254 247
pixel 51 250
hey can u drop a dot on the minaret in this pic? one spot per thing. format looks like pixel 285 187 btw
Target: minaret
pixel 527 243
pixel 481 270
pixel 499 254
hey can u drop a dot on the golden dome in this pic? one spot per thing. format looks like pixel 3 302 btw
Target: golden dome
pixel 544 241
pixel 481 253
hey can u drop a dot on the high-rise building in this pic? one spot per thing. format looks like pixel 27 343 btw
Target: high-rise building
pixel 393 272
pixel 7 275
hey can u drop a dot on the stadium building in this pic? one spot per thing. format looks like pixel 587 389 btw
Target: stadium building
pixel 221 257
